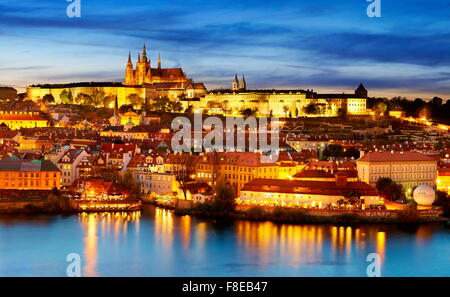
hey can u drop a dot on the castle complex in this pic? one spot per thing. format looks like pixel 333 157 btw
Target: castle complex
pixel 278 103
pixel 146 82
pixel 153 83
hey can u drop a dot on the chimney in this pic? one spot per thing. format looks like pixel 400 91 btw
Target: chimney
pixel 341 180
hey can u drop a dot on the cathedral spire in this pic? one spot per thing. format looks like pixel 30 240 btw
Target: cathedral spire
pixel 235 83
pixel 129 59
pixel 116 107
pixel 144 54
pixel 243 83
pixel 159 60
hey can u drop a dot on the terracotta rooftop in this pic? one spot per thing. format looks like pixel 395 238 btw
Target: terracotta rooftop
pixel 313 174
pixel 308 187
pixel 20 117
pixel 27 165
pixel 395 157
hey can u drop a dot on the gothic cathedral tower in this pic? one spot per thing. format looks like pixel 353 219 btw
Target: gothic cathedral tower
pixel 129 72
pixel 142 68
pixel 142 73
pixel 235 83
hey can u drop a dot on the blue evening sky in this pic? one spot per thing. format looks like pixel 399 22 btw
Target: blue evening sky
pixel 327 45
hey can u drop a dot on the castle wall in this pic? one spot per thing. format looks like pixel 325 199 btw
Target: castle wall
pixel 277 104
pixel 37 93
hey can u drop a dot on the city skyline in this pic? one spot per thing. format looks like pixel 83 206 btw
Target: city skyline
pixel 276 45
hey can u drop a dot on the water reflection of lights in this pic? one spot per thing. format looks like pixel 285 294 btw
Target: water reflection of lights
pixel 164 226
pixel 381 244
pixel 305 243
pixel 106 220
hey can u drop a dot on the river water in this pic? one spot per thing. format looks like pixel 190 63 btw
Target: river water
pixel 155 242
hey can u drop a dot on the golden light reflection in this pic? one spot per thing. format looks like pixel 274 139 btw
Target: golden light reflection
pixel 305 243
pixel 381 244
pixel 90 252
pixel 185 222
pixel 105 223
pixel 164 230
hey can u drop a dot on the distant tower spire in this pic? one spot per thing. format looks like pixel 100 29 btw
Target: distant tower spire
pixel 243 83
pixel 116 107
pixel 144 54
pixel 115 120
pixel 159 60
pixel 129 72
pixel 235 83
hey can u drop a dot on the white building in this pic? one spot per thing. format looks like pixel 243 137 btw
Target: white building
pixel 156 183
pixel 410 169
pixel 68 163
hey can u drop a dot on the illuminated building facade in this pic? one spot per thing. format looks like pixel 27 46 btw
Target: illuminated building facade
pixel 29 175
pixel 146 82
pixel 443 180
pixel 238 168
pixel 280 103
pixel 17 120
pixel 410 169
pixel 305 194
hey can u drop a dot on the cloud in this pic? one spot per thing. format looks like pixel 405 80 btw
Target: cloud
pixel 24 68
pixel 290 43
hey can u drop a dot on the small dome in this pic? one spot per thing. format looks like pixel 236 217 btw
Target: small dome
pixel 424 195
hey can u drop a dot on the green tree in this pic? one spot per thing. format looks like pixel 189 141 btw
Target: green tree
pixel 311 108
pixel 380 108
pixel 248 112
pixel 189 110
pixel 98 97
pixel 332 151
pixel 286 110
pixel 83 98
pixel 108 101
pixel 177 107
pixel 128 182
pixel 390 189
pixel 48 98
pixel 162 104
pixel 225 197
pixel 66 97
pixel 135 100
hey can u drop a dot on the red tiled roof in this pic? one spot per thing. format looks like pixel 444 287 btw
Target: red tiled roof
pixel 8 134
pixel 21 117
pixel 234 158
pixel 313 174
pixel 351 173
pixel 395 157
pixel 308 187
pixel 137 160
pixel 168 73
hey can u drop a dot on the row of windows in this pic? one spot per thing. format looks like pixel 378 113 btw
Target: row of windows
pixel 26 183
pixel 29 174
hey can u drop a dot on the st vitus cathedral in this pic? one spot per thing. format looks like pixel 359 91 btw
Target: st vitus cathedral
pixel 145 74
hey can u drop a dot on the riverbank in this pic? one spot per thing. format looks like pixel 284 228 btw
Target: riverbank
pixel 307 216
pixel 62 205
pixel 27 207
